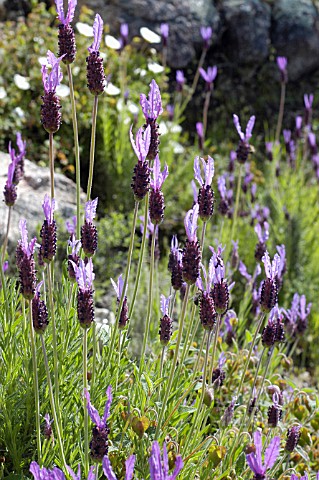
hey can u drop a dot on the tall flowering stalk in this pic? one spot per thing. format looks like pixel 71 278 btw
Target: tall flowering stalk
pixel 152 108
pixel 96 85
pixel 165 35
pixel 50 108
pixel 89 238
pixel 209 77
pixel 67 47
pixel 282 66
pixel 205 197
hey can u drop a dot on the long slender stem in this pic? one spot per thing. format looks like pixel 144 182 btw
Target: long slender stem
pixel 127 275
pixel 92 148
pixel 140 259
pixel 281 110
pixel 150 300
pixel 5 243
pixel 53 405
pixel 195 82
pixel 77 152
pixel 35 385
pixel 171 376
pixel 198 411
pixel 94 355
pixel 205 112
pixel 86 419
pixel 3 285
pixel 234 223
pixel 51 161
pixel 54 340
pixel 217 330
pixel 255 380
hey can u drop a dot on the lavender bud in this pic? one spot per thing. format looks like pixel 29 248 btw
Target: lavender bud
pixel 228 414
pixel 123 320
pixel 66 42
pixel 218 377
pixel 40 316
pixel 207 313
pixel 85 307
pixel 269 294
pixel 253 406
pixel 280 331
pixel 220 296
pixel 156 207
pixel 274 415
pixel 206 202
pixel 165 331
pixel 154 144
pixel 89 238
pixel 95 73
pixel 50 112
pixel 293 436
pixel 177 276
pixel 27 273
pixel 208 397
pixel 10 194
pixel 49 238
pixel 191 261
pixel 141 180
pixel 268 336
pixel 99 443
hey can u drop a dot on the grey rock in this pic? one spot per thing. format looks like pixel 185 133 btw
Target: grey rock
pixel 185 17
pixel 295 35
pixel 247 24
pixel 31 191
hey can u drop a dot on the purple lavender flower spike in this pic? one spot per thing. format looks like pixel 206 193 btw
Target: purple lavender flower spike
pixel 142 142
pixel 48 231
pixel 269 288
pixel 165 331
pixel 50 108
pixel 40 316
pixel 195 191
pixel 282 63
pixel 71 225
pixel 269 150
pixel 119 292
pixel 48 208
pixel 100 432
pixel 95 71
pixel 207 312
pixel 175 264
pixel 298 125
pixel 10 189
pixel 164 33
pixel 25 262
pixel 200 134
pixel 220 292
pixel 209 76
pixel 191 253
pixel 206 33
pixel 89 237
pixel 190 223
pixel 47 432
pixel 308 100
pixel 46 474
pixel 205 194
pixel 84 274
pixel 243 149
pixel 90 209
pixel 254 460
pixel 152 106
pixel 157 205
pixel 66 37
pixel 159 468
pixel 85 305
pixel 262 232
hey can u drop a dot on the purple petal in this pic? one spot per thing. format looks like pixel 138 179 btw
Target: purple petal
pixel 107 469
pixel 243 271
pixel 178 467
pixel 115 286
pixel 258 446
pixel 197 172
pixel 164 30
pixel 209 170
pixel 272 452
pixel 71 10
pixel 129 467
pixel 195 191
pixel 204 74
pixel 107 408
pixel 200 129
pixel 266 261
pixel 221 183
pixel 58 474
pixel 165 304
pixel 165 461
pixel 93 413
pixel 48 207
pixel 250 126
pixel 97 32
pixel 238 127
pixel 73 475
pixel 253 464
pixel 90 209
pixel 35 470
pixel 60 10
pixel 155 462
pixel 91 475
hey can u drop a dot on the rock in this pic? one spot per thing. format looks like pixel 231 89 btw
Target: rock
pixel 247 24
pixel 31 191
pixel 295 35
pixel 185 17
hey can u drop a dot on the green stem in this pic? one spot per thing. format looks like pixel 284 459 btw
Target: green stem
pixel 86 419
pixel 189 337
pixel 195 82
pixel 205 112
pixel 203 236
pixel 127 275
pixel 5 243
pixel 51 161
pixel 94 355
pixel 54 340
pixel 199 354
pixel 4 289
pixel 171 376
pixel 77 152
pixel 35 384
pixel 198 411
pixel 140 260
pixel 150 300
pixel 281 111
pixel 92 148
pixel 234 223
pixel 254 384
pixel 218 325
pixel 53 405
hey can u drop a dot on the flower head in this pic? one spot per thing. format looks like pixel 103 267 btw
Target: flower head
pixel 53 79
pixel 180 79
pixel 254 460
pixel 165 304
pixel 282 63
pixel 118 287
pixel 97 32
pixel 271 268
pixel 94 414
pixel 60 11
pixel 48 206
pixel 152 106
pixel 164 31
pixel 159 468
pixel 206 33
pixel 209 76
pixel 27 247
pixel 84 274
pixel 250 125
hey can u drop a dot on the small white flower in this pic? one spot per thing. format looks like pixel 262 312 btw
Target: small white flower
pixel 19 112
pixel 43 60
pixel 84 29
pixel 3 93
pixel 177 147
pixel 163 128
pixel 111 89
pixel 140 71
pixel 176 128
pixel 75 70
pixel 149 35
pixel 155 67
pixel 133 108
pixel 112 42
pixel 63 90
pixel 21 82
